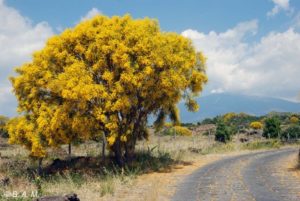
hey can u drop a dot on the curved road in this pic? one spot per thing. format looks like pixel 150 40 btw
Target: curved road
pixel 260 176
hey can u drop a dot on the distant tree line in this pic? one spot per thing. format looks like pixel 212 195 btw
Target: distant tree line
pixel 284 126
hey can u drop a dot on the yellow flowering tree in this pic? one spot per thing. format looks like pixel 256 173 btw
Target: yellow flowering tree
pixel 105 76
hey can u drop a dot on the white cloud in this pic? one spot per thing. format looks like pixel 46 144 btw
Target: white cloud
pixel 217 91
pixel 278 6
pixel 18 39
pixel 269 67
pixel 93 12
pixel 296 21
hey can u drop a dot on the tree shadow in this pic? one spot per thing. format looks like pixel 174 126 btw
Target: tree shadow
pixel 144 162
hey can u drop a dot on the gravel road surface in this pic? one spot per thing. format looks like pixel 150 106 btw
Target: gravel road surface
pixel 260 176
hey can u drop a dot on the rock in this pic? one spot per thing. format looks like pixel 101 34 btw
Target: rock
pixel 5 181
pixel 194 150
pixel 243 140
pixel 72 197
pixel 69 197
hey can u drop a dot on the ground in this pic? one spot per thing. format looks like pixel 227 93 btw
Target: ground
pixel 162 164
pixel 261 176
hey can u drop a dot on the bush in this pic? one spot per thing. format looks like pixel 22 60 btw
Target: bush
pixel 256 125
pixel 292 133
pixel 294 119
pixel 3 130
pixel 272 128
pixel 177 130
pixel 232 129
pixel 270 144
pixel 223 133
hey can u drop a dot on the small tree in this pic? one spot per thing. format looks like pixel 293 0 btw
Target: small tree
pixel 271 128
pixel 223 133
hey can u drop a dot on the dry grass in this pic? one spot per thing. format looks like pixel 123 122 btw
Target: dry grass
pixel 293 162
pixel 161 163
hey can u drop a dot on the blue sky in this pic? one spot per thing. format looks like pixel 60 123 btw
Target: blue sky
pixel 204 15
pixel 253 46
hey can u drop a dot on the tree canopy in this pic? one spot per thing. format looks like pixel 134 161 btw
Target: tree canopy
pixel 104 76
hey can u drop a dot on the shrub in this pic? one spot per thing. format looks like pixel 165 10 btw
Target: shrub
pixel 294 120
pixel 272 128
pixel 182 131
pixel 256 125
pixel 223 133
pixel 177 130
pixel 292 132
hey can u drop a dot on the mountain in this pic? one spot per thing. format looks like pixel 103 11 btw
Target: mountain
pixel 218 104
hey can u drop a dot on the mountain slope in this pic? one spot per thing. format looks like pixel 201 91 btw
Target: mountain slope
pixel 217 104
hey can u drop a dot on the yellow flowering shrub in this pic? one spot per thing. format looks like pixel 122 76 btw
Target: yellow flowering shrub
pixel 182 131
pixel 228 116
pixel 256 125
pixel 294 119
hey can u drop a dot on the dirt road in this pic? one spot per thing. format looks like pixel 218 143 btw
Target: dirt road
pixel 260 176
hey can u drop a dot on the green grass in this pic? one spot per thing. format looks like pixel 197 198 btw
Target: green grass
pixel 219 148
pixel 268 144
pixel 231 146
pixel 107 187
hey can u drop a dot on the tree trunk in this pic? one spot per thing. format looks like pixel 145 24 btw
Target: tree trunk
pixel 103 146
pixel 40 170
pixel 130 150
pixel 174 133
pixel 70 151
pixel 117 149
pixel 299 158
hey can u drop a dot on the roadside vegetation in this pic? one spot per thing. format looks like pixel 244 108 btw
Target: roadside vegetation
pixel 90 177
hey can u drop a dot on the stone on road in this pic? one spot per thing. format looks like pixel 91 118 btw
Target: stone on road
pixel 260 176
